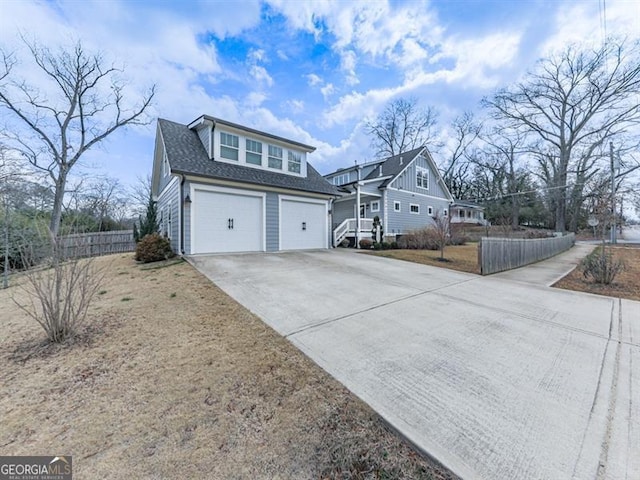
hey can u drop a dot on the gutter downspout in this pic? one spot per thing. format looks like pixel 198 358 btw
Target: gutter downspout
pixel 181 216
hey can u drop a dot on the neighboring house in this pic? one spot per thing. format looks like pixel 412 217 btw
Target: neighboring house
pixel 463 211
pixel 223 187
pixel 405 191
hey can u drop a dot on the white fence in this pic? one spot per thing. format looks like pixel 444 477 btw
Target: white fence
pixel 499 254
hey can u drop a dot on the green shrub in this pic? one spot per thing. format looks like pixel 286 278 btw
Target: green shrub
pixel 365 243
pixel 377 245
pixel 386 246
pixel 345 243
pixel 601 267
pixel 153 248
pixel 394 245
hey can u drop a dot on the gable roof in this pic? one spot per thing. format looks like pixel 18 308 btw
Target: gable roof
pixel 393 166
pixel 187 156
pixel 219 121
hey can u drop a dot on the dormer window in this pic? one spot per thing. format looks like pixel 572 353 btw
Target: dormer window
pixel 295 160
pixel 341 179
pixel 254 152
pixel 275 157
pixel 229 146
pixel 422 178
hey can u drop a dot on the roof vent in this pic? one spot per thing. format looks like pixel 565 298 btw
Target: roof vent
pixel 380 174
pixel 400 160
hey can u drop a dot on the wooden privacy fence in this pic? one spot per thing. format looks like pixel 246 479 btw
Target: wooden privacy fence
pixel 499 254
pixel 97 243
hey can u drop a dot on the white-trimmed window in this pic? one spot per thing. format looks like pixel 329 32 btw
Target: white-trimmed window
pixel 375 205
pixel 165 165
pixel 414 208
pixel 169 222
pixel 396 206
pixel 275 157
pixel 254 152
pixel 295 160
pixel 430 210
pixel 341 179
pixel 229 146
pixel 422 178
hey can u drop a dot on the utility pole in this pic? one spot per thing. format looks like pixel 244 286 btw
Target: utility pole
pixel 613 195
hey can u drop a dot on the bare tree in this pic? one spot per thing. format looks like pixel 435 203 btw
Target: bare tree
pixel 441 226
pixel 571 105
pixel 457 170
pixel 89 106
pixel 59 291
pixel 401 127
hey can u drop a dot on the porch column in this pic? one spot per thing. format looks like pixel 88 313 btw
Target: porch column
pixel 358 209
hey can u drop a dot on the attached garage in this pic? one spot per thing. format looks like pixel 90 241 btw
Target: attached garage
pixel 226 220
pixel 303 223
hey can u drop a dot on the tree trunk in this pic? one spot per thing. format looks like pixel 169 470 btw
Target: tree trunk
pixel 56 213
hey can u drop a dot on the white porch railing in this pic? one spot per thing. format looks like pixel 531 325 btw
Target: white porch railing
pixel 348 229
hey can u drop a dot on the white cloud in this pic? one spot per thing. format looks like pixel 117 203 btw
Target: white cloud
pixel 327 90
pixel 348 65
pixel 255 99
pixel 261 75
pixel 588 22
pixel 313 80
pixel 296 106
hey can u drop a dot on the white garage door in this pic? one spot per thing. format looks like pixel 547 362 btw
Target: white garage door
pixel 303 224
pixel 226 222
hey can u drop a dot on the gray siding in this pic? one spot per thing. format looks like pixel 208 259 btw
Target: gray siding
pixel 204 134
pixel 407 180
pixel 342 211
pixel 403 221
pixel 272 216
pixel 164 179
pixel 168 207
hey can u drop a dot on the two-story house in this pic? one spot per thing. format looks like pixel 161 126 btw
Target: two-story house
pixel 405 191
pixel 223 187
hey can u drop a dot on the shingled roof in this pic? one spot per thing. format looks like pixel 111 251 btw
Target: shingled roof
pixel 392 166
pixel 187 156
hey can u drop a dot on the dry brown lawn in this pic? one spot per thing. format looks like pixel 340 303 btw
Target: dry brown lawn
pixel 173 379
pixel 463 258
pixel 626 284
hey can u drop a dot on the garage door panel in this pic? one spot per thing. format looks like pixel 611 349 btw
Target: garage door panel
pixel 303 225
pixel 227 222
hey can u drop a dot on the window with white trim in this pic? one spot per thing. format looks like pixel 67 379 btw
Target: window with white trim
pixel 165 165
pixel 422 178
pixel 414 208
pixel 430 210
pixel 396 206
pixel 295 160
pixel 254 152
pixel 375 206
pixel 275 157
pixel 169 222
pixel 341 179
pixel 229 146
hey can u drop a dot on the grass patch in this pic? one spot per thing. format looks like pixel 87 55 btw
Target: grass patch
pixel 626 284
pixel 102 292
pixel 463 258
pixel 126 299
pixel 173 295
pixel 209 391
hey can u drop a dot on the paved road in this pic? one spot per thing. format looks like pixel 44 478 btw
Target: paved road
pixel 631 234
pixel 494 378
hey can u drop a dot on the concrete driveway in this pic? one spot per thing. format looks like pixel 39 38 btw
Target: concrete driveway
pixel 496 379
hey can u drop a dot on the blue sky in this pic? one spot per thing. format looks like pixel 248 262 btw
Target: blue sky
pixel 314 71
